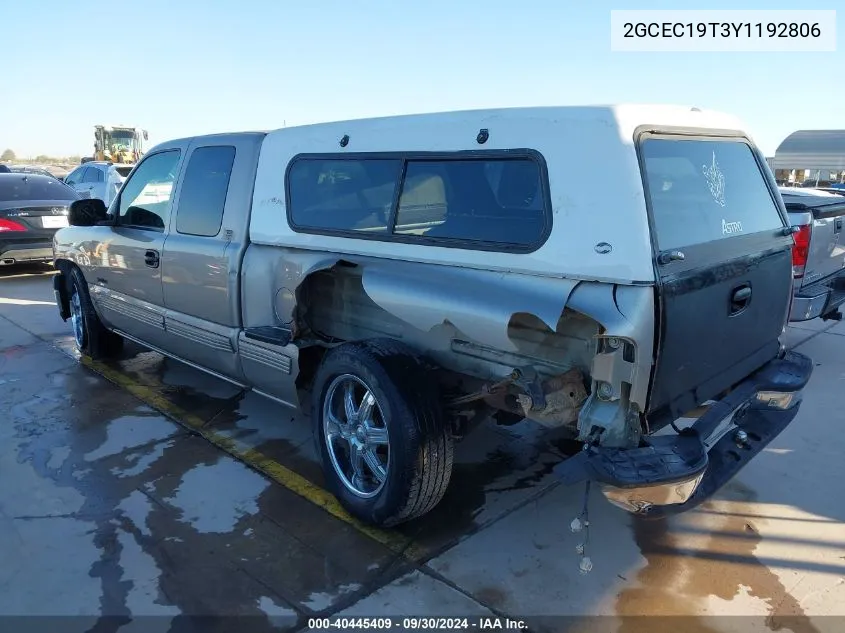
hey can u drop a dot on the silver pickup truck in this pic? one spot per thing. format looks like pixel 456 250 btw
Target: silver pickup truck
pixel 818 257
pixel 410 277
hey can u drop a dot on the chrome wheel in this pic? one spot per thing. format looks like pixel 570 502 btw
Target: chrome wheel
pixel 355 434
pixel 77 320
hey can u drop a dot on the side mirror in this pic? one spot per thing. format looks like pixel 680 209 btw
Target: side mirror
pixel 87 212
pixel 146 136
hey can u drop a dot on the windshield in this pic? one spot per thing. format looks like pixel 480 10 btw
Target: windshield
pixel 119 139
pixel 21 187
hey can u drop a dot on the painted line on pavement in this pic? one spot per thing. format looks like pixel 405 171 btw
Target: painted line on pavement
pixel 296 483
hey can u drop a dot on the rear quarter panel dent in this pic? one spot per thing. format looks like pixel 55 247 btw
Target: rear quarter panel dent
pixel 478 303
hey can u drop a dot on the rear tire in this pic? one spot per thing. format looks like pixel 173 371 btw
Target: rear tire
pixel 92 338
pixel 394 419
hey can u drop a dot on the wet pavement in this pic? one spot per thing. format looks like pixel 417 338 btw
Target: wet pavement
pixel 143 487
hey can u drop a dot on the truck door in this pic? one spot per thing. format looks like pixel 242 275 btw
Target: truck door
pixel 724 264
pixel 128 279
pixel 203 252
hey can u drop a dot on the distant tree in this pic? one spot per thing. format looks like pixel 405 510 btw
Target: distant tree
pixel 7 155
pixel 43 158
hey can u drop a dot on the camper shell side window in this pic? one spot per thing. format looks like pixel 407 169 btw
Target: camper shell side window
pixel 494 200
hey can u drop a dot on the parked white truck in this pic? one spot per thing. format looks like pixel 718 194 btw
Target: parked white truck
pixel 413 275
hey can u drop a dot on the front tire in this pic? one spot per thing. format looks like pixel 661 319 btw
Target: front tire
pixel 92 338
pixel 385 447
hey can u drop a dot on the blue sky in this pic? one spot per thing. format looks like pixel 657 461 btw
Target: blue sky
pixel 192 67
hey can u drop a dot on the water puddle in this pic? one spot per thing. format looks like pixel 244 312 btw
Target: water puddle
pixel 705 563
pixel 213 498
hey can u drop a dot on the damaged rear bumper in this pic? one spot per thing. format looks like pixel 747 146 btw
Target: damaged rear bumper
pixel 670 474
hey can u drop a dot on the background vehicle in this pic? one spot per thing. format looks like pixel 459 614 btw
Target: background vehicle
pixel 28 169
pixel 32 208
pixel 118 144
pixel 413 276
pixel 818 258
pixel 837 190
pixel 96 179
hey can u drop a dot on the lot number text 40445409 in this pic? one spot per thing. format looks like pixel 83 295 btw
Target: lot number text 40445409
pixel 415 624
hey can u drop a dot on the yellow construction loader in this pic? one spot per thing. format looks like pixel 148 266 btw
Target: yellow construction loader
pixel 118 144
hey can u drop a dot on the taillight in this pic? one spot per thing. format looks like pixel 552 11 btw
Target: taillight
pixel 800 250
pixel 10 225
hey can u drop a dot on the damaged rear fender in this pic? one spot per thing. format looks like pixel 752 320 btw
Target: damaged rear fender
pixel 621 369
pixel 479 303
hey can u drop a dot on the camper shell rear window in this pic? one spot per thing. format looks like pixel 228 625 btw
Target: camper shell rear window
pixel 497 200
pixel 701 190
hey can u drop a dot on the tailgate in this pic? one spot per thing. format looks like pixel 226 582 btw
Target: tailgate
pixel 826 254
pixel 724 264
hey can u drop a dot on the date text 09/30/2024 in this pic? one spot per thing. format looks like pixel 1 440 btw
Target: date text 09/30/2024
pixel 415 624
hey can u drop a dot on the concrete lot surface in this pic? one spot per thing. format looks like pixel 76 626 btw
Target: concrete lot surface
pixel 145 488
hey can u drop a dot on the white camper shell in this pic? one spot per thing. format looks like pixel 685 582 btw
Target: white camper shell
pixel 592 169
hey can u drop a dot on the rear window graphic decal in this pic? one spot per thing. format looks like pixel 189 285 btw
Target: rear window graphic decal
pixel 715 180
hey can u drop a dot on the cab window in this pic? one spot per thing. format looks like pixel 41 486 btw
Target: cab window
pixel 146 197
pixel 204 188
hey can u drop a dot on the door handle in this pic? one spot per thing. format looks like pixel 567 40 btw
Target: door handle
pixel 740 299
pixel 837 225
pixel 671 256
pixel 742 294
pixel 151 259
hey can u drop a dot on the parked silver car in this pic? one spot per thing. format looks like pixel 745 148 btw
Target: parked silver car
pixel 98 179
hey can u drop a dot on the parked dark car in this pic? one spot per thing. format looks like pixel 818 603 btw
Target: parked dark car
pixel 32 208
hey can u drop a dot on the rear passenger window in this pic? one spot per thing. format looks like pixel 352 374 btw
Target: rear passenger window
pixel 706 190
pixel 204 189
pixel 93 174
pixel 499 201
